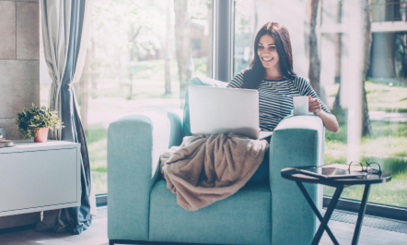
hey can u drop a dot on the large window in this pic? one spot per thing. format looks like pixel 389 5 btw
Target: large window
pixel 384 137
pixel 140 55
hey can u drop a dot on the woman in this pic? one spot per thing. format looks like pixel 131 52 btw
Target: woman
pixel 271 73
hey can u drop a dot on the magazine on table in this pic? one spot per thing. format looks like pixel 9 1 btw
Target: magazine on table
pixel 330 172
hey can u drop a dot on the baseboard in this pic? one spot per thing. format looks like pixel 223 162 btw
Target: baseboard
pixel 18 228
pixel 21 221
pixel 101 200
pixel 385 211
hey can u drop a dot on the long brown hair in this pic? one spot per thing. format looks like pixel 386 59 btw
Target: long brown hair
pixel 253 76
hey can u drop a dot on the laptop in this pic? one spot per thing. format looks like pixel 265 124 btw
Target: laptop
pixel 215 110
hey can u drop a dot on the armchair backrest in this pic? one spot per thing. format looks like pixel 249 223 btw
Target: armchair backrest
pixel 186 127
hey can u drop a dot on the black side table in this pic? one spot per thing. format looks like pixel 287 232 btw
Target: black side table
pixel 339 184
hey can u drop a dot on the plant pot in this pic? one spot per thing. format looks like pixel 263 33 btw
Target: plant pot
pixel 41 134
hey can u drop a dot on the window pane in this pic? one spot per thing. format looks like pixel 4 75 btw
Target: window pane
pixel 245 31
pixel 385 85
pixel 134 63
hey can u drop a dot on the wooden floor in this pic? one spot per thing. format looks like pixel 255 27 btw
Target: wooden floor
pixel 97 235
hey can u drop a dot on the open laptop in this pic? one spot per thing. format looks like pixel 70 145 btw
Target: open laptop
pixel 215 110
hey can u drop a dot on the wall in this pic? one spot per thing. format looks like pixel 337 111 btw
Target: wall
pixel 19 60
pixel 19 74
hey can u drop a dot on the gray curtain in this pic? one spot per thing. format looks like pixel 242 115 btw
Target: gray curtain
pixel 62 23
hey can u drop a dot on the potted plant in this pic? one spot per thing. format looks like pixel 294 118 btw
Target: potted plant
pixel 36 122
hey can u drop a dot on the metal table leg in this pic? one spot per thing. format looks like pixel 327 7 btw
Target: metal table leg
pixel 362 210
pixel 316 211
pixel 329 211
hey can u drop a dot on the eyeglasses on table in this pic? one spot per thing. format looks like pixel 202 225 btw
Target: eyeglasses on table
pixel 368 167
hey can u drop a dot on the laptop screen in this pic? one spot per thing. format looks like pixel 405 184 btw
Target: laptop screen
pixel 215 110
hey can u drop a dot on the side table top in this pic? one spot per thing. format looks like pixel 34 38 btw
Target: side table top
pixel 293 174
pixel 30 145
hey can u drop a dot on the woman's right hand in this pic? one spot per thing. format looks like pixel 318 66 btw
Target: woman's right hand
pixel 314 105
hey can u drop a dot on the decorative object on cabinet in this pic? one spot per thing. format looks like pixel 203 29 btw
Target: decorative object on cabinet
pixel 32 123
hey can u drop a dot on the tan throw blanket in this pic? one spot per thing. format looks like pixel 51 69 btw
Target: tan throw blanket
pixel 208 168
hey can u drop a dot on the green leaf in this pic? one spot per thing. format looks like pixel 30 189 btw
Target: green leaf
pixel 36 117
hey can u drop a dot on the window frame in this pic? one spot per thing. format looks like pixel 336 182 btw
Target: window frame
pixel 222 39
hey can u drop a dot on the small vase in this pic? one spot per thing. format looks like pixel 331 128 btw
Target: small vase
pixel 41 135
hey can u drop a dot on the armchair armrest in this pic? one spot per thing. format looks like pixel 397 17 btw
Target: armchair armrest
pixel 296 141
pixel 134 144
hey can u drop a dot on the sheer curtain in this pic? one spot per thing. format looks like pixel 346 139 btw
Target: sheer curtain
pixel 65 25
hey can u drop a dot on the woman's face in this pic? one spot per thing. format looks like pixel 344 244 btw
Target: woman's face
pixel 267 52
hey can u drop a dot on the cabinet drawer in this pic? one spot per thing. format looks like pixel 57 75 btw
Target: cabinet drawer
pixel 38 179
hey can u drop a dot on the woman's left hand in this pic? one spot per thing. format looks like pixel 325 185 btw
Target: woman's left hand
pixel 314 105
pixel 328 119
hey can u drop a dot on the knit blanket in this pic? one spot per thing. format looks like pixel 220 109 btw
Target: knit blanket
pixel 208 168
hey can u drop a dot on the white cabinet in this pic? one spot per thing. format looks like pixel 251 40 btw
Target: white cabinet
pixel 39 176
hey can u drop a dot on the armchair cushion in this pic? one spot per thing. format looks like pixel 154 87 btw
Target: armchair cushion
pixel 246 213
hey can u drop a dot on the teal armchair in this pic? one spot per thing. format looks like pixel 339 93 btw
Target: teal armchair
pixel 269 210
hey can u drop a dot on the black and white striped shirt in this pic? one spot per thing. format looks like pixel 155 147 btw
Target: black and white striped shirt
pixel 276 98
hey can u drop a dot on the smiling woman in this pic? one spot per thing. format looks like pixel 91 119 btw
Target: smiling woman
pixel 274 56
pixel 268 54
pixel 271 73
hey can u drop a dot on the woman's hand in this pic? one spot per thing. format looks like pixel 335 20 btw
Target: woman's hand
pixel 329 120
pixel 314 105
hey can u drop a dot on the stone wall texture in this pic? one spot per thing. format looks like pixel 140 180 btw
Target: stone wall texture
pixel 19 60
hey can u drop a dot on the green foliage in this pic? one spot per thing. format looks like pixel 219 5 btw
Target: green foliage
pixel 392 82
pixel 331 158
pixel 96 134
pixel 36 117
pixel 341 115
pixel 383 128
pixel 386 95
pixel 390 193
pixel 342 135
pixel 96 138
pixel 148 80
pixel 387 138
pixel 393 165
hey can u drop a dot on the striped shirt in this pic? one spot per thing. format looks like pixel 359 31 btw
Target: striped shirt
pixel 276 98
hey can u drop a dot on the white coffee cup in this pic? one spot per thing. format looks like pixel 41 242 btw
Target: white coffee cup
pixel 300 105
